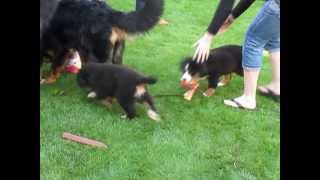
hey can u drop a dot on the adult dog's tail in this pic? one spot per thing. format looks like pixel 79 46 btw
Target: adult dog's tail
pixel 139 21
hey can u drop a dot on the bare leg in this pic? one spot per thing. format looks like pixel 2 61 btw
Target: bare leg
pixel 248 99
pixel 274 85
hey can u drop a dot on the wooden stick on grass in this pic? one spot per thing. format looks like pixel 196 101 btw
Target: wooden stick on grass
pixel 83 140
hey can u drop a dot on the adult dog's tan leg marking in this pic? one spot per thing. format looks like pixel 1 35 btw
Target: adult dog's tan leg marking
pixel 117 35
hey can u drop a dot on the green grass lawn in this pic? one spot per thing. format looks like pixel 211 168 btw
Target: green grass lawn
pixel 201 139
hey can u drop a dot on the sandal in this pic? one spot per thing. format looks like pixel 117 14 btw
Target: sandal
pixel 236 104
pixel 269 93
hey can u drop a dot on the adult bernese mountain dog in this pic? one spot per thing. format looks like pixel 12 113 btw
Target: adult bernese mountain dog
pixel 95 30
pixel 108 81
pixel 222 61
pixel 47 10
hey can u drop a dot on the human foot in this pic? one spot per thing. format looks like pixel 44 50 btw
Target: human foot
pixel 242 102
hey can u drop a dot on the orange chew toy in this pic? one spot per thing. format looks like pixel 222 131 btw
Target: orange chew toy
pixel 189 85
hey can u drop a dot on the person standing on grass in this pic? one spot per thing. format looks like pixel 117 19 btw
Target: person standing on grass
pixel 140 4
pixel 263 33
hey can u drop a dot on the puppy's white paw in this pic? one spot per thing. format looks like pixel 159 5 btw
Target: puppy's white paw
pixel 42 81
pixel 204 94
pixel 220 84
pixel 92 95
pixel 153 115
pixel 123 116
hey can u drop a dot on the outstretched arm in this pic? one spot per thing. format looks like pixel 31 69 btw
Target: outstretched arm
pixel 203 44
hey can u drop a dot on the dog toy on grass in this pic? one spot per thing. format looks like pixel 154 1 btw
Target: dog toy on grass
pixel 191 87
pixel 83 140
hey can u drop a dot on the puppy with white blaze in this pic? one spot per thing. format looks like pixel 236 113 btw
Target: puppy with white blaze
pixel 108 81
pixel 222 62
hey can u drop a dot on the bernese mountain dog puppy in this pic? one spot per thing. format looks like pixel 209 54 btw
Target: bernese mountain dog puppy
pixel 108 81
pixel 222 62
pixel 95 30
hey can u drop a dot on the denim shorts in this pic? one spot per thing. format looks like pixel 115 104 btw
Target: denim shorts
pixel 263 33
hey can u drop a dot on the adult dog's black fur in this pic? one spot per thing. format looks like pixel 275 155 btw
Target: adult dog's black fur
pixel 95 30
pixel 107 81
pixel 47 10
pixel 222 61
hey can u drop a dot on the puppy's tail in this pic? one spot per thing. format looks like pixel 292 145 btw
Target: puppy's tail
pixel 147 80
pixel 139 21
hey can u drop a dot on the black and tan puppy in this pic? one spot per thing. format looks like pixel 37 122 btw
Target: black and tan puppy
pixel 222 61
pixel 95 30
pixel 107 81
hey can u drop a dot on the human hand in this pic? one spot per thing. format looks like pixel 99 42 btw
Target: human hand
pixel 203 48
pixel 226 24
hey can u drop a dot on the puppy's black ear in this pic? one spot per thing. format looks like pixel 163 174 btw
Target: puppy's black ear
pixel 184 62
